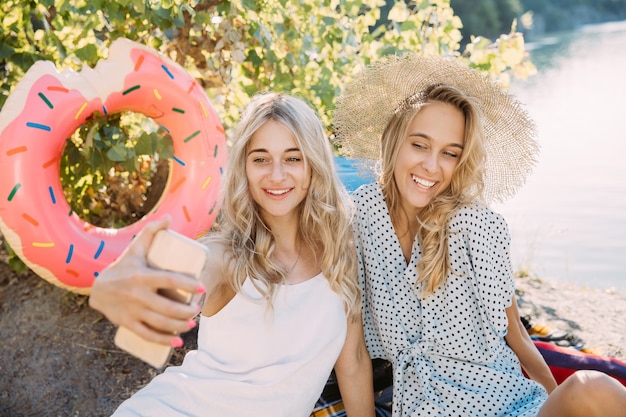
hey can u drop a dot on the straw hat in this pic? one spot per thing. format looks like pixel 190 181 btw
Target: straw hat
pixel 366 105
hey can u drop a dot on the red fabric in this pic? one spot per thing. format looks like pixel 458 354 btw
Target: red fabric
pixel 564 361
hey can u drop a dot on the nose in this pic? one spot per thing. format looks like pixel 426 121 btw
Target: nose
pixel 278 171
pixel 431 162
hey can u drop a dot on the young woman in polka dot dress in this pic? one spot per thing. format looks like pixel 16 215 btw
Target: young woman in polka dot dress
pixel 434 261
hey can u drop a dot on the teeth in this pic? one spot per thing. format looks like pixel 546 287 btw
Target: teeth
pixel 422 182
pixel 277 192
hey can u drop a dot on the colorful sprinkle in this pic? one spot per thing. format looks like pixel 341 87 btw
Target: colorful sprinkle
pixel 99 251
pixel 45 100
pixel 55 88
pixel 215 152
pixel 165 128
pixel 16 150
pixel 43 244
pixel 70 252
pixel 131 89
pixel 193 135
pixel 186 213
pixel 193 84
pixel 167 71
pixel 52 197
pixel 14 190
pixel 221 170
pixel 38 126
pixel 180 161
pixel 178 184
pixel 206 182
pixel 49 163
pixel 72 272
pixel 177 110
pixel 139 62
pixel 204 112
pixel 157 94
pixel 212 208
pixel 30 220
pixel 96 273
pixel 80 110
pixel 104 110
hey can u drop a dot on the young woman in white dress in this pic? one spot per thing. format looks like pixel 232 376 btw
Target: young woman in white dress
pixel 283 304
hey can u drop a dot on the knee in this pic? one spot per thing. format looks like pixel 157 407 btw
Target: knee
pixel 586 383
pixel 594 390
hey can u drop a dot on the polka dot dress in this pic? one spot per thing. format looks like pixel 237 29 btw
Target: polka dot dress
pixel 448 350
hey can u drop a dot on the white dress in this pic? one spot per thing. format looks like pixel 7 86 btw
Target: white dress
pixel 252 361
pixel 448 350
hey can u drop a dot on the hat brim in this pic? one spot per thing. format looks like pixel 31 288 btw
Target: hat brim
pixel 366 105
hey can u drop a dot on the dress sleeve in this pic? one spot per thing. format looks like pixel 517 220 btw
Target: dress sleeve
pixel 361 226
pixel 487 243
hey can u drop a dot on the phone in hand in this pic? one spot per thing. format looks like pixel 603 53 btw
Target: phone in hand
pixel 174 252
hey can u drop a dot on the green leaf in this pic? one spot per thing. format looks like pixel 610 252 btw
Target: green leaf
pixel 163 146
pixel 6 51
pixel 130 165
pixel 139 6
pixel 15 262
pixel 203 19
pixel 145 144
pixel 117 152
pixel 88 53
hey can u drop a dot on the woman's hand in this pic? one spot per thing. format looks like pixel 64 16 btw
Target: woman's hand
pixel 126 293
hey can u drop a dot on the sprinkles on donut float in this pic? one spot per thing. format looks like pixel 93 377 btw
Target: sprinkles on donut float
pixel 47 106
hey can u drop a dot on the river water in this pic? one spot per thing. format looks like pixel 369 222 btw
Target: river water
pixel 568 223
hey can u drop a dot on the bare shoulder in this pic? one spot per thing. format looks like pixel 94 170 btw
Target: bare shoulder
pixel 218 261
pixel 217 277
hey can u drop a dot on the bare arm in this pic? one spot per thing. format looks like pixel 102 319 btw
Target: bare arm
pixel 531 360
pixel 126 293
pixel 354 373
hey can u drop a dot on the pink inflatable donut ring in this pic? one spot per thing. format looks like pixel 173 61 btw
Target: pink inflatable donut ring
pixel 46 107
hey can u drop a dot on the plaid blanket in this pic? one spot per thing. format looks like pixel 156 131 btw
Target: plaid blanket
pixel 335 408
pixel 330 404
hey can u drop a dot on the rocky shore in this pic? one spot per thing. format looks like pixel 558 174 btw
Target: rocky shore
pixel 597 318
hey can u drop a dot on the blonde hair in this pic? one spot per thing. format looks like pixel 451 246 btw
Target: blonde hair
pixel 466 184
pixel 325 213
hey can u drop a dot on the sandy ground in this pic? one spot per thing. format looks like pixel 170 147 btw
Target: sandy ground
pixel 596 317
pixel 57 357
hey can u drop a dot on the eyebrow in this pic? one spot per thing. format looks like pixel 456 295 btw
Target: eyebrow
pixel 425 136
pixel 263 150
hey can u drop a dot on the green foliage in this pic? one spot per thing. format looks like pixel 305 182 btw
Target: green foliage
pixel 13 260
pixel 235 49
pixel 109 165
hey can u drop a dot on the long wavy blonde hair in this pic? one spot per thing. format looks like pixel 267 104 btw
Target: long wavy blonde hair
pixel 325 214
pixel 466 185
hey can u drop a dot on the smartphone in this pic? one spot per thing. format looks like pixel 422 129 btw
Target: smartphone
pixel 174 252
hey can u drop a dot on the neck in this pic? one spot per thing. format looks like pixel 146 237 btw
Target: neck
pixel 288 255
pixel 405 223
